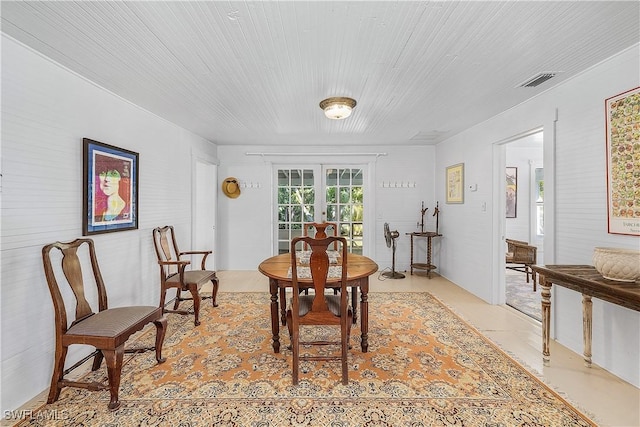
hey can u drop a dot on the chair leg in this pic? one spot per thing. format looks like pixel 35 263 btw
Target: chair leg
pixel 289 323
pixel 114 369
pixel 214 292
pixel 346 333
pixel 58 373
pixel 350 315
pixel 345 367
pixel 163 296
pixel 97 361
pixel 283 306
pixel 354 303
pixel 535 284
pixel 161 330
pixel 177 302
pixel 295 347
pixel 196 303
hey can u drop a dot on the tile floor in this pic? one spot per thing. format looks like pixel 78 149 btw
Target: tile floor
pixel 521 296
pixel 610 400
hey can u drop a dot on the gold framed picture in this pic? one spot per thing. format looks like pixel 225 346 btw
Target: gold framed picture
pixel 455 183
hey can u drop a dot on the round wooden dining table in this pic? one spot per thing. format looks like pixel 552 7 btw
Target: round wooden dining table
pixel 277 269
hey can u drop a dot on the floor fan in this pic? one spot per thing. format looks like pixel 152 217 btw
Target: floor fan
pixel 390 237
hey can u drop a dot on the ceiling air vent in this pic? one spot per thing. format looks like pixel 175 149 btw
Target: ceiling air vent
pixel 538 79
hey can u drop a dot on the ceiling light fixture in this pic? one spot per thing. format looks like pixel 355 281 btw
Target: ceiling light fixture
pixel 337 108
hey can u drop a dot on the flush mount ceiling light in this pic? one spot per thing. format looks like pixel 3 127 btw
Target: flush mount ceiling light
pixel 337 108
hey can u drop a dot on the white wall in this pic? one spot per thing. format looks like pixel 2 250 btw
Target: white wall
pixel 46 111
pixel 246 236
pixel 575 195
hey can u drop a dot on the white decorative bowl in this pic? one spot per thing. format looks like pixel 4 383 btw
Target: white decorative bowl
pixel 617 264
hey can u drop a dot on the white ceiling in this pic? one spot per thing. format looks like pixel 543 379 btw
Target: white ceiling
pixel 253 72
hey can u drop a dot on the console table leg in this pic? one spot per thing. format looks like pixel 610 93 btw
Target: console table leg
pixel 587 317
pixel 546 318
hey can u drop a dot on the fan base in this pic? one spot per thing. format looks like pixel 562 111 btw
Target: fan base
pixel 393 275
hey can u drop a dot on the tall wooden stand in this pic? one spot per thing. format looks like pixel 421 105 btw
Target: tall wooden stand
pixel 428 266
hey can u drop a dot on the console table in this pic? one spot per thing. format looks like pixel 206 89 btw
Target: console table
pixel 586 280
pixel 428 266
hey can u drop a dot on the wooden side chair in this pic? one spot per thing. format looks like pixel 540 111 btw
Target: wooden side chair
pixel 107 329
pixel 319 308
pixel 175 275
pixel 318 230
pixel 520 257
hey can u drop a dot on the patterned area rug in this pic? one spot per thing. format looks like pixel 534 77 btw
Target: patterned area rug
pixel 521 296
pixel 425 366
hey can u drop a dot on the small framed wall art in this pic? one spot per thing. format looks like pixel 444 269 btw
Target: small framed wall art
pixel 110 188
pixel 455 183
pixel 512 192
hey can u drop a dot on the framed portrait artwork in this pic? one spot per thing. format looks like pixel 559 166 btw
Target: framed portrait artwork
pixel 623 165
pixel 455 183
pixel 512 192
pixel 110 188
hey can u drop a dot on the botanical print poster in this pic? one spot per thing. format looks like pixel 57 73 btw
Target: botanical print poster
pixel 623 162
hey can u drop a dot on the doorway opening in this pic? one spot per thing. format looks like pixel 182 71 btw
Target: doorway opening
pixel 204 209
pixel 524 216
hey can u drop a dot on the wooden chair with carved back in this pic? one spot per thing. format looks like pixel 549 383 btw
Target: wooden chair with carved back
pixel 317 230
pixel 174 273
pixel 319 308
pixel 106 329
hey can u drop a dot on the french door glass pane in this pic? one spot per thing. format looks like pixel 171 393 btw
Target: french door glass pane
pixel 344 197
pixel 299 202
pixel 295 205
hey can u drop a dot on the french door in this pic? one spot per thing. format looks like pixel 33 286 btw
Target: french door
pixel 318 193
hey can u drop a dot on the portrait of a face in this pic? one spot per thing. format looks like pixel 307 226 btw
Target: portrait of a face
pixel 109 182
pixel 112 192
pixel 110 188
